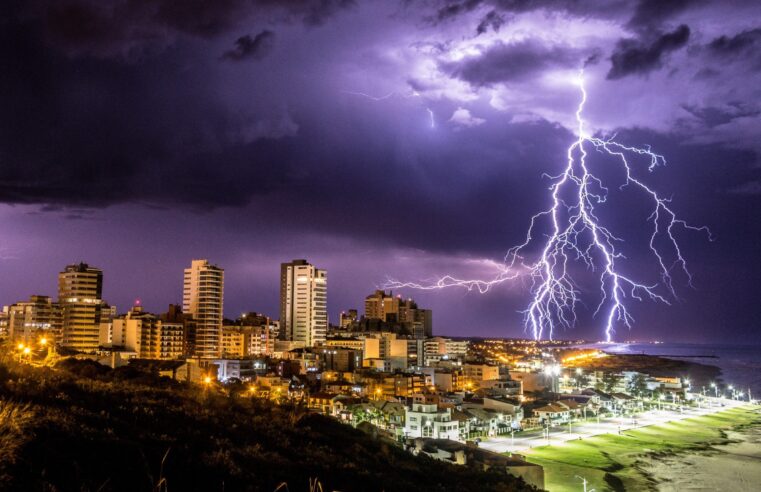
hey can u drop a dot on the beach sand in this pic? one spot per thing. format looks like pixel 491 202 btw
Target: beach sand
pixel 735 466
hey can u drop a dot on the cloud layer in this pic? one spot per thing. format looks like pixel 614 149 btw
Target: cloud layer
pixel 315 117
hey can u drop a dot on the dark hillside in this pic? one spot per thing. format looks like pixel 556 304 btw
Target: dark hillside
pixel 82 427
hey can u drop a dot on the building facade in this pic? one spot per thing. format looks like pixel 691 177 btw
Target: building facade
pixel 80 289
pixel 303 303
pixel 428 420
pixel 203 299
pixel 148 336
pixel 37 317
pixel 347 318
pixel 394 309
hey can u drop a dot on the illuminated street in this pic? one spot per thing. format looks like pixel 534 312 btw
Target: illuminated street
pixel 579 430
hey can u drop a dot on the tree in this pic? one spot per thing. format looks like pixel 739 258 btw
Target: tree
pixel 637 385
pixel 581 380
pixel 609 381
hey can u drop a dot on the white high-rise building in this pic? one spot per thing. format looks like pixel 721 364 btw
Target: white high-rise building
pixel 303 303
pixel 202 298
pixel 79 294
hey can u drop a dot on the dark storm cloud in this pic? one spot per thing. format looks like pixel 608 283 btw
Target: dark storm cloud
pixel 132 27
pixel 714 116
pixel 649 13
pixel 514 62
pixel 492 20
pixel 633 56
pixel 455 9
pixel 582 8
pixel 99 131
pixel 740 43
pixel 248 48
pixel 93 127
pixel 96 131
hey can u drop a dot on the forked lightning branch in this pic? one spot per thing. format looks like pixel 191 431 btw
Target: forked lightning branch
pixel 574 234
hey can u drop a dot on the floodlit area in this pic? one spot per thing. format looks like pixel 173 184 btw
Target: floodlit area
pixel 667 451
pixel 574 431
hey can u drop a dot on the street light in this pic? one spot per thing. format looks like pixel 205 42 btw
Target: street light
pixel 715 389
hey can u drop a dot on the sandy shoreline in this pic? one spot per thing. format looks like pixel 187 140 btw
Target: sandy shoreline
pixel 717 451
pixel 734 466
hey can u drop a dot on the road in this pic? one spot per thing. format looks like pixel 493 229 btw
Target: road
pixel 579 430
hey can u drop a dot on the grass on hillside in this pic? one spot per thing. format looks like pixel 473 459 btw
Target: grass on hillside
pixel 610 462
pixel 82 427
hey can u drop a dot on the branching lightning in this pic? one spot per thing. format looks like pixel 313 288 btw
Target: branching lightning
pixel 576 234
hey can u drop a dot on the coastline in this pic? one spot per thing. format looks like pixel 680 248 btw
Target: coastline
pixel 740 365
pixel 714 452
pixel 699 373
pixel 737 462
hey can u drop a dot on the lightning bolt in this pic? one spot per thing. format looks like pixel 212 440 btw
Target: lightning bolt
pixel 577 234
pixel 389 96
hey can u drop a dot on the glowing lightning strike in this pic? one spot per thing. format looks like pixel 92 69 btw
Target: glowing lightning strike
pixel 389 96
pixel 577 234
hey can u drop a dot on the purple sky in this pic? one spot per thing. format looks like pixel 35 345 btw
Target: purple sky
pixel 138 135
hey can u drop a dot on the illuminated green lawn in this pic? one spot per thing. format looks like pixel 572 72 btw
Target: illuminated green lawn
pixel 610 462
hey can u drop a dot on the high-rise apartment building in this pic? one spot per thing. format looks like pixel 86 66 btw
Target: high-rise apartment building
pixel 382 306
pixel 395 309
pixel 303 303
pixel 148 335
pixel 80 289
pixel 175 315
pixel 39 316
pixel 202 298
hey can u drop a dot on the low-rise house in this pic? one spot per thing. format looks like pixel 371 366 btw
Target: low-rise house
pixel 488 422
pixel 625 401
pixel 553 413
pixel 601 398
pixel 532 381
pixel 463 454
pixel 321 401
pixel 505 404
pixel 428 420
pixel 582 404
pixel 272 386
pixel 243 369
pixel 503 387
pixel 342 404
pixel 393 414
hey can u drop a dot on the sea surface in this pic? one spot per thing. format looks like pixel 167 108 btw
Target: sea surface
pixel 740 364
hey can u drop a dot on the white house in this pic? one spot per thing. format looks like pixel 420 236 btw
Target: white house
pixel 428 420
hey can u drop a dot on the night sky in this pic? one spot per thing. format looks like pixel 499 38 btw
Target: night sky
pixel 377 139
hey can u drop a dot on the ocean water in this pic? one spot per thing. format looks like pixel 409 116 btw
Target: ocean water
pixel 740 365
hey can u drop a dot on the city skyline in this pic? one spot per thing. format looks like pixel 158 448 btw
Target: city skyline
pixel 152 305
pixel 391 139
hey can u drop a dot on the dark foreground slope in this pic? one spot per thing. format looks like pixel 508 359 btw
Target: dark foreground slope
pixel 83 428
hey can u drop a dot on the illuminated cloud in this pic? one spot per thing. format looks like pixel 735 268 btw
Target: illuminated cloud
pixel 462 117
